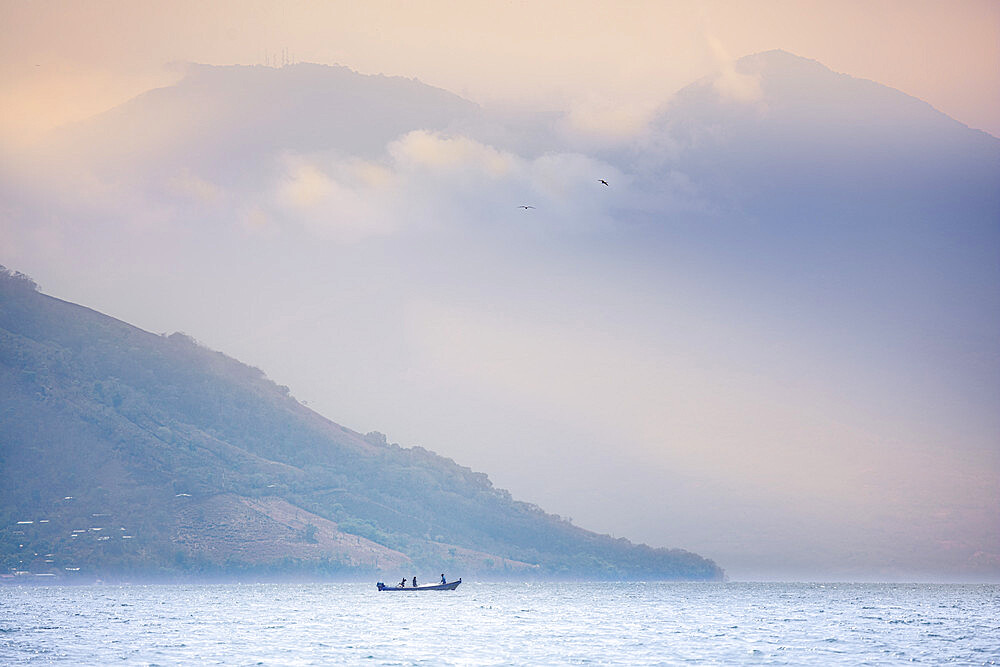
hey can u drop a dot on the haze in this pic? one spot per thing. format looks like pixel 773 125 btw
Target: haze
pixel 794 394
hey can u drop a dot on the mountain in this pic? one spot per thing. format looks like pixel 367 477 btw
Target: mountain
pixel 227 115
pixel 786 168
pixel 783 126
pixel 126 453
pixel 807 249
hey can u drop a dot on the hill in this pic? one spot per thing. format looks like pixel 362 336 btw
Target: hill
pixel 126 453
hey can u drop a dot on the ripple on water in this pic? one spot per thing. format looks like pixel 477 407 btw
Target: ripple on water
pixel 634 624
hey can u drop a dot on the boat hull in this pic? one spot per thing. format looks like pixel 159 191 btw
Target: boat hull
pixel 450 586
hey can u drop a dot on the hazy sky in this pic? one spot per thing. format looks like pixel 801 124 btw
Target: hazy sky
pixel 65 60
pixel 819 402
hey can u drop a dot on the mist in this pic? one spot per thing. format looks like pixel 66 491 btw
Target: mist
pixel 770 338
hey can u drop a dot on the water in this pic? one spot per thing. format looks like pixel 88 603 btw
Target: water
pixel 495 624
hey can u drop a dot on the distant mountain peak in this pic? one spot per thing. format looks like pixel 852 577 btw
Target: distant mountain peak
pixel 194 71
pixel 809 94
pixel 777 58
pixel 790 79
pixel 777 129
pixel 218 114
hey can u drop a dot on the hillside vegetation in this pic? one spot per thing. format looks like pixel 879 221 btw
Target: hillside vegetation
pixel 125 453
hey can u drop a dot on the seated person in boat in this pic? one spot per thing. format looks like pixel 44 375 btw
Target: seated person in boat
pixel 402 584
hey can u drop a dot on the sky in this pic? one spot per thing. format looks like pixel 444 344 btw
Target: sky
pixel 795 403
pixel 63 61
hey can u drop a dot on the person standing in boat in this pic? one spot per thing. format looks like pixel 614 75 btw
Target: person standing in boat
pixel 442 579
pixel 414 582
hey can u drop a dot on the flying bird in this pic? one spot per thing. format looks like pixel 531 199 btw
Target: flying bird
pixel 603 181
pixel 525 206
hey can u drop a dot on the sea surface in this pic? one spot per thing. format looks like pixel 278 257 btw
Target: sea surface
pixel 502 624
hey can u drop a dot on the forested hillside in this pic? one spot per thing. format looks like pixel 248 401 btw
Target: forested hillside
pixel 127 454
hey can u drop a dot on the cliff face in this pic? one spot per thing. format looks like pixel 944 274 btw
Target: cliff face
pixel 125 453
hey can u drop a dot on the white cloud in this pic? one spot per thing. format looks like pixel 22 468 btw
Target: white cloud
pixel 607 121
pixel 428 180
pixel 422 149
pixel 305 186
pixel 731 83
pixel 337 201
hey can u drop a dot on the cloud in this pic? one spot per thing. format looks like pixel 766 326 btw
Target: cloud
pixel 427 180
pixel 422 149
pixel 187 184
pixel 606 121
pixel 421 181
pixel 338 201
pixel 730 83
pixel 306 186
pixel 257 222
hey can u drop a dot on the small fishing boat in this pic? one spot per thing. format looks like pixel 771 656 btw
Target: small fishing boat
pixel 450 586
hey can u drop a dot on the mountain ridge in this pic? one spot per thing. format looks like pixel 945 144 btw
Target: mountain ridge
pixel 174 460
pixel 748 62
pixel 794 111
pixel 207 115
